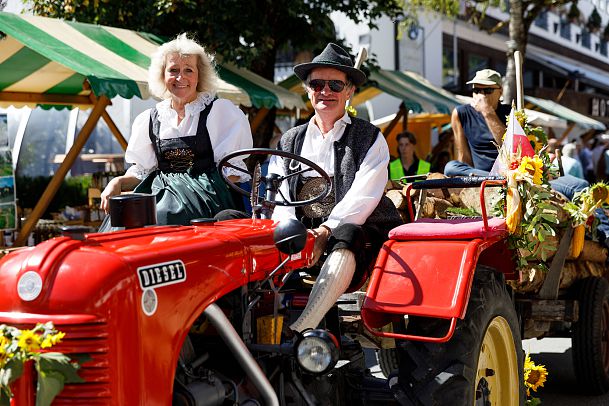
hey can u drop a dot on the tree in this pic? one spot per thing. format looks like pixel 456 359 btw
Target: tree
pixel 247 33
pixel 522 14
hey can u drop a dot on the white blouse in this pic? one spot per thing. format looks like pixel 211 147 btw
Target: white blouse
pixel 368 186
pixel 228 128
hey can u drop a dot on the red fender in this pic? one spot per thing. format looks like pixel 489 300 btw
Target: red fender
pixel 425 278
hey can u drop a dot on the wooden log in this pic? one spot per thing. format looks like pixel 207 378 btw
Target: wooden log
pixel 434 208
pixel 594 252
pixel 397 198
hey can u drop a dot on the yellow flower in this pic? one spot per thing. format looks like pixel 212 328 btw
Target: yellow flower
pixel 3 354
pixel 535 143
pixel 533 167
pixel 534 375
pixel 29 341
pixel 600 193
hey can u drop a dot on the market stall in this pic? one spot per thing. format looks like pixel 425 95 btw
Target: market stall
pixel 52 62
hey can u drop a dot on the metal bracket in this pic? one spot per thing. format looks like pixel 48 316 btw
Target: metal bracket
pixel 549 289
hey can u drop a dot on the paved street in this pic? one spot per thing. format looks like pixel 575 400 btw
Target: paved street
pixel 561 388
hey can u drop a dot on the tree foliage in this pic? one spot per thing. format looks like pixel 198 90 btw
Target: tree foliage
pixel 247 33
pixel 522 13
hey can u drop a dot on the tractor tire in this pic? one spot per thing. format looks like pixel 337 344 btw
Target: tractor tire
pixel 388 360
pixel 590 336
pixel 482 363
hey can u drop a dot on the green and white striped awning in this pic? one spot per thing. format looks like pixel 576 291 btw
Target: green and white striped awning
pixel 48 56
pixel 418 94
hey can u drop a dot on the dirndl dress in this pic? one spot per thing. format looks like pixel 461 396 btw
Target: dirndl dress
pixel 186 183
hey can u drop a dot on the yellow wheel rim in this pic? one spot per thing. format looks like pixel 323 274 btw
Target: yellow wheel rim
pixel 497 373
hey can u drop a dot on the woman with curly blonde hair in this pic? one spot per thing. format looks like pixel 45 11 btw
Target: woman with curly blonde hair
pixel 175 146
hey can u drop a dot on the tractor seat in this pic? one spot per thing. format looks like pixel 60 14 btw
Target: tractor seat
pixel 455 229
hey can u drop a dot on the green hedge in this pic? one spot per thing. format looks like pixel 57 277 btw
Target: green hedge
pixel 72 192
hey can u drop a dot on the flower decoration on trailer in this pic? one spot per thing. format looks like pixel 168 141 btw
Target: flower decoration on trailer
pixel 531 215
pixel 54 369
pixel 581 209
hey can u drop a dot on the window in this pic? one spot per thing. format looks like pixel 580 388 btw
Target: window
pixel 475 62
pixel 565 29
pixel 448 69
pixel 542 20
pixel 585 38
pixel 603 48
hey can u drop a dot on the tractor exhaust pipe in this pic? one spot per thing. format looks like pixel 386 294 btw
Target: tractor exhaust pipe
pixel 238 348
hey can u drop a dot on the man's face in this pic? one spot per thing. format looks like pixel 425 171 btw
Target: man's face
pixel 326 101
pixel 492 93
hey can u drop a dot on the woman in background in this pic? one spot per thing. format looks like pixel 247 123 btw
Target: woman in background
pixel 408 163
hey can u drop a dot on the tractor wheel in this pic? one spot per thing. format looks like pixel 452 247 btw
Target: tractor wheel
pixel 591 336
pixel 482 364
pixel 388 360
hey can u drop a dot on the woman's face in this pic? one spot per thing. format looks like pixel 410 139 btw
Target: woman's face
pixel 181 76
pixel 405 147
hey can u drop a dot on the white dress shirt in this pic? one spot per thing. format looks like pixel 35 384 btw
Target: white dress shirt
pixel 368 186
pixel 228 128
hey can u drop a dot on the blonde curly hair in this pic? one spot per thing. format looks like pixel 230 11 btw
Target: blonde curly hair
pixel 182 45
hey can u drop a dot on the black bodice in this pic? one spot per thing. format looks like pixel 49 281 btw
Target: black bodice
pixel 193 153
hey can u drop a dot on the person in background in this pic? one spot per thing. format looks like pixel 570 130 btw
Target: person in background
pixel 351 225
pixel 174 147
pixel 478 127
pixel 585 157
pixel 408 163
pixel 570 161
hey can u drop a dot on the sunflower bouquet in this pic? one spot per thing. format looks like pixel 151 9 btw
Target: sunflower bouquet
pixel 54 369
pixel 531 211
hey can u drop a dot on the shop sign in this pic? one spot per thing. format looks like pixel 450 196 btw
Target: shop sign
pixel 599 107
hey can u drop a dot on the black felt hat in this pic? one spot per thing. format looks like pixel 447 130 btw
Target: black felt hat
pixel 333 56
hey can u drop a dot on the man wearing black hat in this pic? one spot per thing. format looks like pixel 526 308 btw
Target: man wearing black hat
pixel 355 154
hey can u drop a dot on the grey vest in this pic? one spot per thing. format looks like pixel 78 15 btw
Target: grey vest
pixel 349 153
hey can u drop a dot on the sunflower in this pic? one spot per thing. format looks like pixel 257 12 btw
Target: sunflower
pixel 532 167
pixel 3 354
pixel 600 193
pixel 29 341
pixel 534 375
pixel 52 339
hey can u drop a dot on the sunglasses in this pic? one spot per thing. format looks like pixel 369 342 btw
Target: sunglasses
pixel 485 90
pixel 318 85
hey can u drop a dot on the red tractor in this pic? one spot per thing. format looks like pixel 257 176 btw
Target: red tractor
pixel 191 315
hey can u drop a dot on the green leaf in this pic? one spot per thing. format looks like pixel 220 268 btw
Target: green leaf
pixel 11 371
pixel 50 383
pixel 55 361
pixel 5 399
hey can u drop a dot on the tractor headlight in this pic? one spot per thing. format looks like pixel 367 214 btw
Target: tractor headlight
pixel 317 351
pixel 29 286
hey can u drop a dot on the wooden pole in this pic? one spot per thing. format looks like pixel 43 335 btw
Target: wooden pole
pixel 258 118
pixel 55 183
pixel 519 81
pixel 395 121
pixel 117 133
pixel 111 125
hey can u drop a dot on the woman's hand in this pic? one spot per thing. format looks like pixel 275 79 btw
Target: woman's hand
pixel 112 189
pixel 321 239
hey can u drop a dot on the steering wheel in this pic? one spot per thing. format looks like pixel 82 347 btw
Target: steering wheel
pixel 273 181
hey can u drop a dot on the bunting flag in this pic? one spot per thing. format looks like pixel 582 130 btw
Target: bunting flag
pixel 515 142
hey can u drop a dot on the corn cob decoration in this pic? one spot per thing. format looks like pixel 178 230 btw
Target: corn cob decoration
pixel 577 242
pixel 513 208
